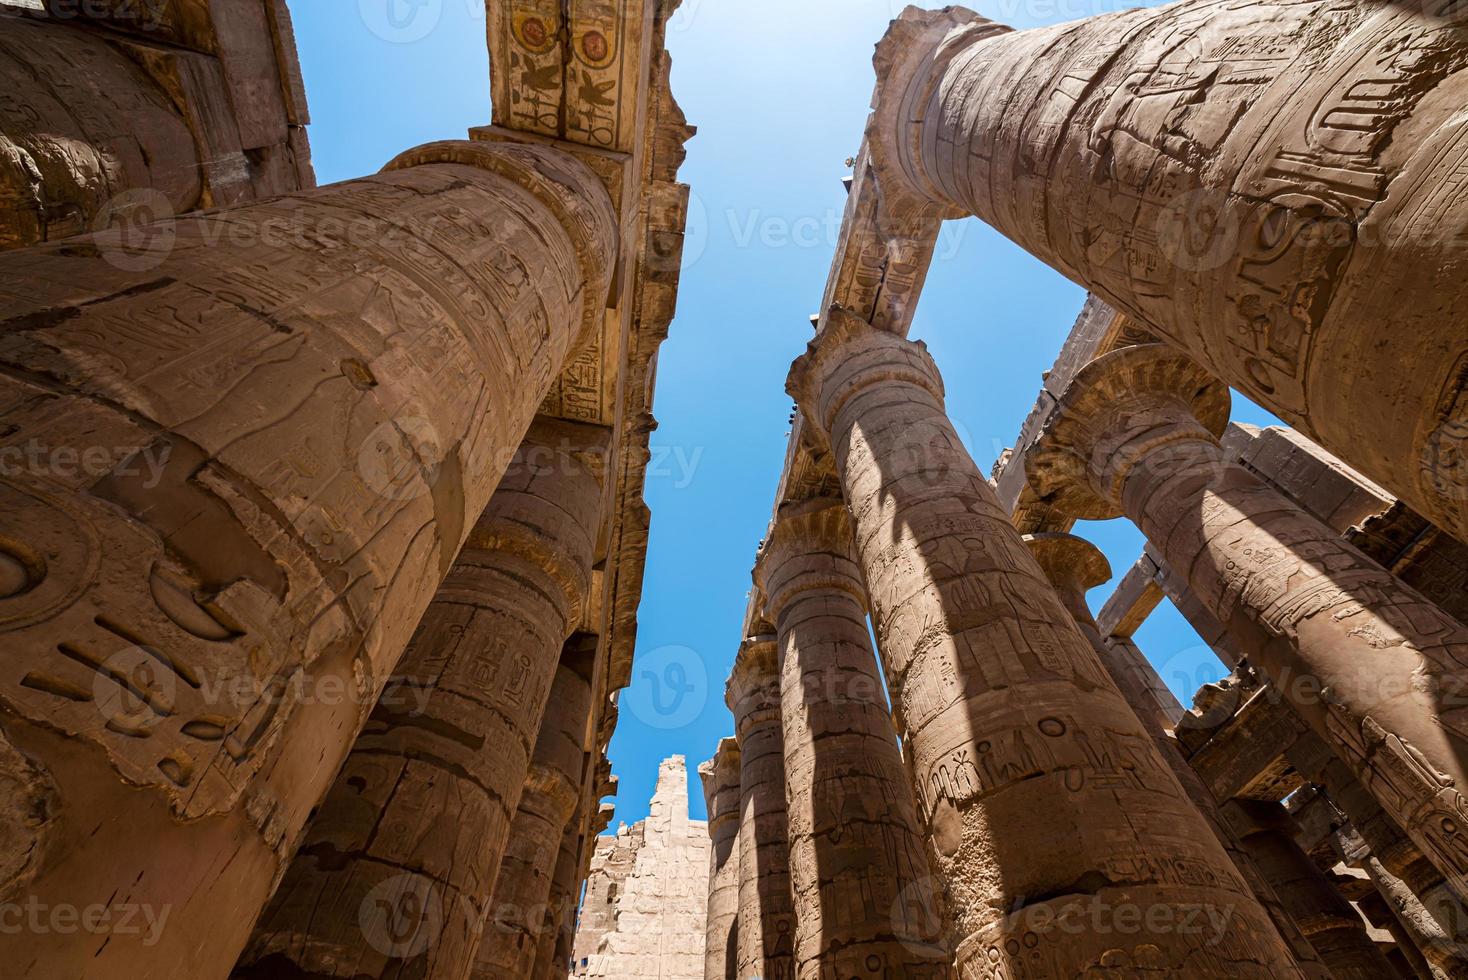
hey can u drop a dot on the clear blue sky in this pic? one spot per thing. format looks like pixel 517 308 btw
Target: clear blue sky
pixel 779 90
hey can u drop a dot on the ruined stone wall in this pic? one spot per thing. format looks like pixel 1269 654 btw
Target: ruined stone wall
pixel 645 900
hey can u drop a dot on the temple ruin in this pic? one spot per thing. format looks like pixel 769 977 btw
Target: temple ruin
pixel 316 646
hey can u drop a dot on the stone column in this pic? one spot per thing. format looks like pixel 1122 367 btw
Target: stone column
pixel 279 424
pixel 1281 199
pixel 720 777
pixel 85 135
pixel 1004 709
pixel 1376 669
pixel 1335 930
pixel 523 886
pixel 1424 941
pixel 422 808
pixel 766 907
pixel 858 870
pixel 553 952
pixel 1074 566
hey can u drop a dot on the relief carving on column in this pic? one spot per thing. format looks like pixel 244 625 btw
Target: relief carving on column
pixel 1137 432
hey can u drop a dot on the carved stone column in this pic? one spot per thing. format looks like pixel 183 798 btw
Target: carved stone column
pixel 720 777
pixel 553 952
pixel 1278 197
pixel 523 886
pixel 1005 711
pixel 1074 566
pixel 292 415
pixel 1333 927
pixel 858 869
pixel 1376 669
pixel 82 124
pixel 423 805
pixel 766 906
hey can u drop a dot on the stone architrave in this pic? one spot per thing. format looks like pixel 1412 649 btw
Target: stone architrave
pixel 423 805
pixel 548 802
pixel 1378 671
pixel 1074 566
pixel 1005 712
pixel 293 414
pixel 766 904
pixel 1275 187
pixel 85 136
pixel 858 867
pixel 720 777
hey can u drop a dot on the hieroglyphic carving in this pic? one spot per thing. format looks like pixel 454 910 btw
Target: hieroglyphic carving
pixel 1373 667
pixel 319 447
pixel 1244 179
pixel 857 864
pixel 1031 721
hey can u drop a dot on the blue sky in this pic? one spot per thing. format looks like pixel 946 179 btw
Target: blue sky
pixel 779 90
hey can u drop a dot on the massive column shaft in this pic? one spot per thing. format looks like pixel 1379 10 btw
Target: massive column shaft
pixel 1004 710
pixel 421 810
pixel 553 952
pixel 858 867
pixel 242 450
pixel 720 777
pixel 1377 670
pixel 766 907
pixel 1275 187
pixel 1073 566
pixel 522 888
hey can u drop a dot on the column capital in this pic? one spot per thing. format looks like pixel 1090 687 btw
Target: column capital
pixel 850 355
pixel 550 793
pixel 721 783
pixel 753 691
pixel 911 60
pixel 1119 409
pixel 810 546
pixel 568 187
pixel 1070 563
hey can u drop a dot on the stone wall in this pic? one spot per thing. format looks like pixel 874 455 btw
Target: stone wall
pixel 645 900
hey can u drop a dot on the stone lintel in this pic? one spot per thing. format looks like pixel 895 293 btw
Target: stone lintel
pixel 1244 757
pixel 1136 596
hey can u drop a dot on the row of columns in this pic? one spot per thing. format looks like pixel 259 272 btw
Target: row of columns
pixel 333 385
pixel 963 607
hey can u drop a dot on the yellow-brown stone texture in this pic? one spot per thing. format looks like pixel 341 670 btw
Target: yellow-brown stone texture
pixel 645 910
pixel 323 656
